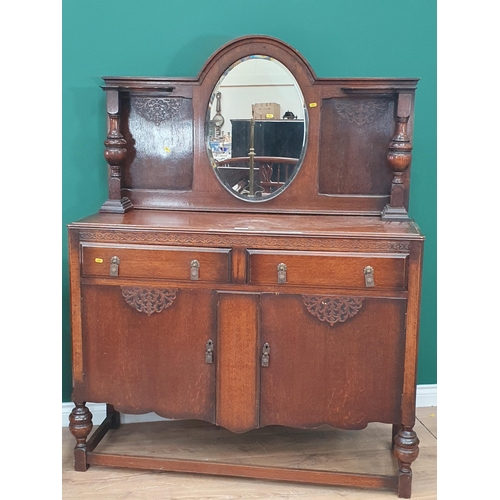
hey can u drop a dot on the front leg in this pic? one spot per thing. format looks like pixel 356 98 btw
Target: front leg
pixel 80 425
pixel 406 450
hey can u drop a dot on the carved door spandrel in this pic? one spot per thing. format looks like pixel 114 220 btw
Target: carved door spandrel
pixel 331 359
pixel 145 349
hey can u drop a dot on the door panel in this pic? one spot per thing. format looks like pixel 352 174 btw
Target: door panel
pixel 144 350
pixel 332 360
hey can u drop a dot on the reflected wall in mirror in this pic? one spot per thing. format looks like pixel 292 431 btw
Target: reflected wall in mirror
pixel 259 149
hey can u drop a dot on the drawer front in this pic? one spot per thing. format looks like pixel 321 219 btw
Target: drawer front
pixel 327 269
pixel 175 263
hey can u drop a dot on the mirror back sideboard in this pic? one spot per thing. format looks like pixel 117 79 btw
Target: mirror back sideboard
pixel 298 308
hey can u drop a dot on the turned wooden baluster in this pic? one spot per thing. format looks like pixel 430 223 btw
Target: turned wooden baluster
pixel 80 425
pixel 399 159
pixel 406 451
pixel 115 154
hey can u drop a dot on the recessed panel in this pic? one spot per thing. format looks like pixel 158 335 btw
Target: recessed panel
pixel 159 134
pixel 355 136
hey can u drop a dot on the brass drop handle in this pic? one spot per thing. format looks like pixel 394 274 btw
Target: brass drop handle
pixel 113 267
pixel 195 270
pixel 369 279
pixel 281 274
pixel 209 352
pixel 265 355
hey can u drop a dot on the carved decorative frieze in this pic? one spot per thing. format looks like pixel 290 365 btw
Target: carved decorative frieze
pixel 148 300
pixel 155 109
pixel 361 111
pixel 332 309
pixel 285 243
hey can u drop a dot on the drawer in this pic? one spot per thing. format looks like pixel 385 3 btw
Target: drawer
pixel 327 269
pixel 173 263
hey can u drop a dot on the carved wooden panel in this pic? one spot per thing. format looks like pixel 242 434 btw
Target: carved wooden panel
pixel 156 109
pixel 148 300
pixel 355 135
pixel 159 135
pixel 332 309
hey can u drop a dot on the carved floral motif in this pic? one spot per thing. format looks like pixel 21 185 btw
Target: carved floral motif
pixel 361 111
pixel 148 300
pixel 332 309
pixel 157 110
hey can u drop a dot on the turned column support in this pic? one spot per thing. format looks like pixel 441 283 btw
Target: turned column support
pixel 115 154
pixel 399 159
pixel 406 451
pixel 80 425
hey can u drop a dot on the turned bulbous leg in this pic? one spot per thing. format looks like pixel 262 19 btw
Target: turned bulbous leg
pixel 80 425
pixel 406 451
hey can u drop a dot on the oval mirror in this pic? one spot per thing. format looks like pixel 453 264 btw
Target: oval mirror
pixel 256 123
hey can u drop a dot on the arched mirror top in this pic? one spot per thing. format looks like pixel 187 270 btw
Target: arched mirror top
pixel 256 128
pixel 266 46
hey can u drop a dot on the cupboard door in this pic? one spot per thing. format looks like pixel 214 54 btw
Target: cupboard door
pixel 334 360
pixel 144 350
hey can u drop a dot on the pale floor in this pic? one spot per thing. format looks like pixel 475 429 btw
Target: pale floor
pixel 367 450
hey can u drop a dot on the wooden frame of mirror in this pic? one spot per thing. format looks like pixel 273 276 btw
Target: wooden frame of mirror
pixel 357 156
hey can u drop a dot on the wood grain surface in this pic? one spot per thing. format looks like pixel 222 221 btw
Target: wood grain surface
pixel 324 448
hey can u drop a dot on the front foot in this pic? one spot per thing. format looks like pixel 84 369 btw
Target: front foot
pixel 80 425
pixel 406 451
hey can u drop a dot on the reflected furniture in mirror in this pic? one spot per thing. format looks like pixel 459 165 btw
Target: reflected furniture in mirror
pixel 256 129
pixel 247 281
pixel 270 174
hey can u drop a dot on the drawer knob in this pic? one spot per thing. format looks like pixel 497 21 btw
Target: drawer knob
pixel 369 279
pixel 265 355
pixel 209 352
pixel 281 273
pixel 113 267
pixel 195 270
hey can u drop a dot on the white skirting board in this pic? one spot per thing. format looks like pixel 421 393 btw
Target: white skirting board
pixel 426 396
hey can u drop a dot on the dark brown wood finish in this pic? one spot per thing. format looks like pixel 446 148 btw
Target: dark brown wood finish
pixel 237 371
pixel 157 262
pixel 298 311
pixel 327 269
pixel 133 346
pixel 349 128
pixel 327 478
pixel 322 369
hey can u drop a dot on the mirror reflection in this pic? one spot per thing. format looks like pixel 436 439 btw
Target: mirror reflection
pixel 256 128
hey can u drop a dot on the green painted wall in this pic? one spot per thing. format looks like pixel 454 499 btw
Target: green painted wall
pixel 339 38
